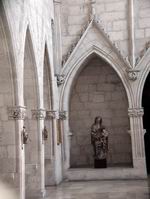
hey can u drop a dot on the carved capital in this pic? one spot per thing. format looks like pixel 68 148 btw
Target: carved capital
pixel 135 112
pixel 60 79
pixel 38 114
pixel 51 114
pixel 63 115
pixel 17 112
pixel 132 74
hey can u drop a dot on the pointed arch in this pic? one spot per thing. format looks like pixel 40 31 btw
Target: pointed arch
pixel 47 80
pixel 8 98
pixel 73 68
pixel 30 64
pixel 31 101
pixel 9 50
pixel 47 96
pixel 75 65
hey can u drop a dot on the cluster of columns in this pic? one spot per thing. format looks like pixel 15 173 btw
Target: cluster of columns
pixel 137 136
pixel 18 113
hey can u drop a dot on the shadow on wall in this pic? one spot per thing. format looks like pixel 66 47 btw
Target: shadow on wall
pixel 7 192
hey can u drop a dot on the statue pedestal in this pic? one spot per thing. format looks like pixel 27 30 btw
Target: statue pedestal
pixel 100 163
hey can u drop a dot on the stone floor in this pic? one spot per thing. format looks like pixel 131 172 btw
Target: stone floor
pixel 125 189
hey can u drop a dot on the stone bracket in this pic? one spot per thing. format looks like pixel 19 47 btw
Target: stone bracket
pixel 17 112
pixel 60 79
pixel 38 114
pixel 135 112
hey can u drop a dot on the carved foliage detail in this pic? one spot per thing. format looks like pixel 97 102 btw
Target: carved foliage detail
pixel 135 112
pixel 38 114
pixel 17 113
pixel 52 114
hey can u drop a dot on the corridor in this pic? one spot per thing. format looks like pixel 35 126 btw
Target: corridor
pixel 133 189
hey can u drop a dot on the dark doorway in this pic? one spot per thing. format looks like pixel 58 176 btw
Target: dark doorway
pixel 146 120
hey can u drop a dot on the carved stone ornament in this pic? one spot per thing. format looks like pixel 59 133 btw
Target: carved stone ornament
pixel 38 114
pixel 63 115
pixel 135 112
pixel 52 115
pixel 17 112
pixel 60 79
pixel 133 74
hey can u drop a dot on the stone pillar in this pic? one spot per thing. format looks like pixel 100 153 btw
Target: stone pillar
pixel 18 113
pixel 54 116
pixel 137 136
pixel 50 116
pixel 40 114
pixel 57 35
pixel 131 32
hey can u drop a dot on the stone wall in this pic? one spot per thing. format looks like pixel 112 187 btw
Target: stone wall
pixel 115 18
pixel 142 18
pixel 99 91
pixel 76 14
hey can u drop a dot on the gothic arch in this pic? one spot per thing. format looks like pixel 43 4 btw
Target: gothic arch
pixel 31 101
pixel 71 70
pixel 9 97
pixel 75 66
pixel 29 48
pixel 47 96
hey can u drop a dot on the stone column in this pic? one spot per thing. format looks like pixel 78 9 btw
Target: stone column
pixel 57 35
pixel 40 114
pixel 137 136
pixel 54 116
pixel 131 32
pixel 51 115
pixel 18 113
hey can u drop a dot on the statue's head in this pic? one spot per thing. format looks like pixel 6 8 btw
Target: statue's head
pixel 98 120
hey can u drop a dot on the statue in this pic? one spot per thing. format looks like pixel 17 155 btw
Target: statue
pixel 25 136
pixel 99 140
pixel 45 133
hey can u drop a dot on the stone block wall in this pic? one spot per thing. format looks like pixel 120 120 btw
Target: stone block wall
pixel 114 15
pixel 99 91
pixel 142 18
pixel 76 14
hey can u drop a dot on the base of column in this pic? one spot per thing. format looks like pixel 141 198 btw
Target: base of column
pixel 38 194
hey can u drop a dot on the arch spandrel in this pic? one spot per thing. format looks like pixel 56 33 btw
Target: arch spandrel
pixel 71 71
pixel 94 41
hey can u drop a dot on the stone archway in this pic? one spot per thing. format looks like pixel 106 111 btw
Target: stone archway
pixel 47 98
pixel 99 91
pixel 72 69
pixel 31 102
pixel 146 116
pixel 8 99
